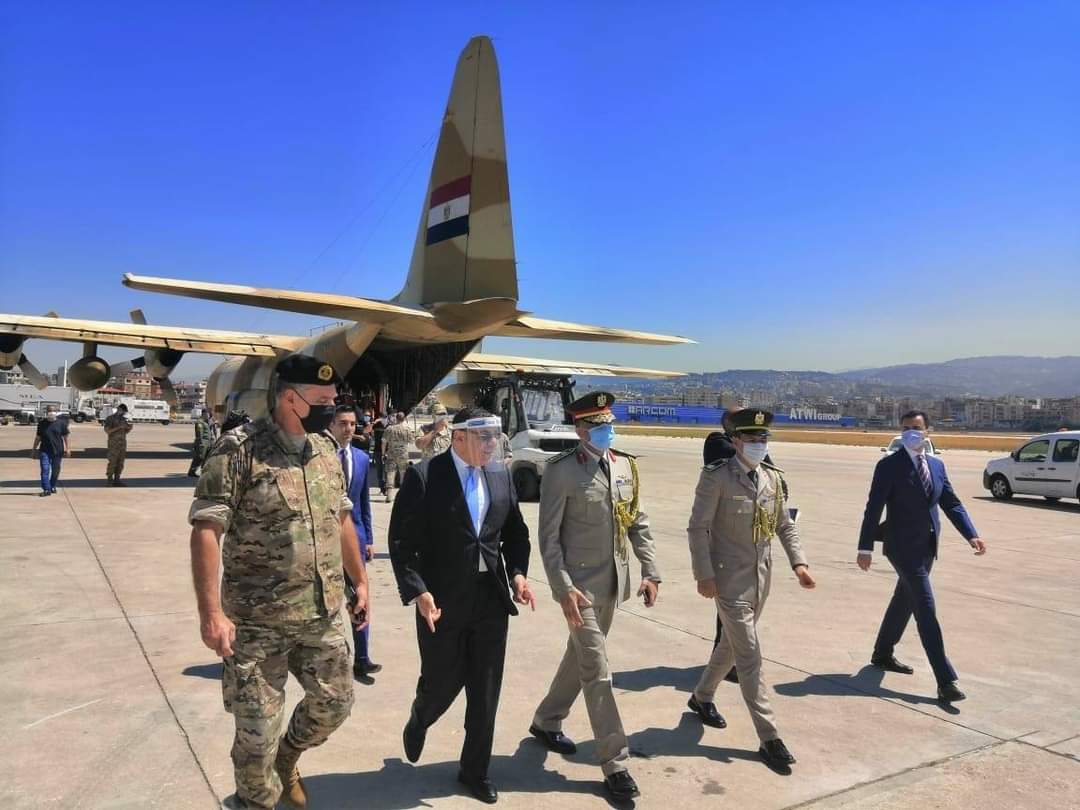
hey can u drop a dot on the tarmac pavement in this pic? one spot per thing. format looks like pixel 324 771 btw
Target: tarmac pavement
pixel 110 700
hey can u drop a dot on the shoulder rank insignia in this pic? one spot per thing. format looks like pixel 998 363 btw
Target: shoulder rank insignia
pixel 622 453
pixel 771 466
pixel 716 465
pixel 560 456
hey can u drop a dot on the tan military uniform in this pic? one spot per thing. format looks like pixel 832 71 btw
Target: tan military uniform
pixel 282 585
pixel 731 546
pixel 439 444
pixel 396 441
pixel 117 444
pixel 583 546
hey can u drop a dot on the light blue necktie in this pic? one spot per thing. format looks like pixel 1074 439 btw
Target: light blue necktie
pixel 472 497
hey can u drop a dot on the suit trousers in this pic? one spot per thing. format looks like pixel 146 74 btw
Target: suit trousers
pixel 739 646
pixel 584 668
pixel 467 650
pixel 914 595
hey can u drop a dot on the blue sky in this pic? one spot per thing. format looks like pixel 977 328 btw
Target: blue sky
pixel 794 185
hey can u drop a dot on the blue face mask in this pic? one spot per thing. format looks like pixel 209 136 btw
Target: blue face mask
pixel 913 439
pixel 602 436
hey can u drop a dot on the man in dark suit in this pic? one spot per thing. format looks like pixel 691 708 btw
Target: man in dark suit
pixel 356 464
pixel 910 485
pixel 458 543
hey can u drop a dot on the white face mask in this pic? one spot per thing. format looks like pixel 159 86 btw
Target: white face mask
pixel 755 453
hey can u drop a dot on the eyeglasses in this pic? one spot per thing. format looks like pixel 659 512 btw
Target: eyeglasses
pixel 485 436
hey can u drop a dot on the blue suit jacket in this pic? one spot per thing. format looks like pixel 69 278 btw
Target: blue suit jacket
pixel 360 497
pixel 912 524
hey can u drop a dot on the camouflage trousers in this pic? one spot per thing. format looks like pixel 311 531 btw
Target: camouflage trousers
pixel 394 468
pixel 115 460
pixel 253 685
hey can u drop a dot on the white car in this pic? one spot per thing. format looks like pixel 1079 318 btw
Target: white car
pixel 1047 465
pixel 897 443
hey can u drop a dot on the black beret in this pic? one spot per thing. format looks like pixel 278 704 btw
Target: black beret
pixel 303 369
pixel 751 419
pixel 594 407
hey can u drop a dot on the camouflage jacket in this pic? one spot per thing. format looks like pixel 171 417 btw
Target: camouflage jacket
pixel 280 511
pixel 440 444
pixel 203 433
pixel 396 440
pixel 117 438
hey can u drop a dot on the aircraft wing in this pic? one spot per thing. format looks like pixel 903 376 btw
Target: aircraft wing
pixel 456 320
pixel 497 362
pixel 144 336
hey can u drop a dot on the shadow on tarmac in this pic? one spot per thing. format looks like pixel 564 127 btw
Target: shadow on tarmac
pixel 173 480
pixel 100 452
pixel 685 740
pixel 212 672
pixel 401 786
pixel 640 680
pixel 1032 502
pixel 864 683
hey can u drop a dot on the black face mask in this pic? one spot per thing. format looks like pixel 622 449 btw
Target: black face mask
pixel 319 417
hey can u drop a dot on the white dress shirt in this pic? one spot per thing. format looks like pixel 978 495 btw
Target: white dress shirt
pixel 481 494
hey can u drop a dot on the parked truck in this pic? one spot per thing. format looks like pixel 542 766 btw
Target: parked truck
pixel 141 410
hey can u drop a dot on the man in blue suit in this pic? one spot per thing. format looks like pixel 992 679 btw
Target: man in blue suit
pixel 355 463
pixel 911 485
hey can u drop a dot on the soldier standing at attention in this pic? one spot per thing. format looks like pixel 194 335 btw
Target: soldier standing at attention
pixel 204 437
pixel 590 521
pixel 395 446
pixel 436 440
pixel 738 509
pixel 117 426
pixel 272 492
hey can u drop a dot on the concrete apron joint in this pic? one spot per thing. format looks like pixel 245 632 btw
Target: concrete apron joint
pixel 142 650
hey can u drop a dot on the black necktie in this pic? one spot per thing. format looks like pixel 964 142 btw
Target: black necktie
pixel 604 467
pixel 752 475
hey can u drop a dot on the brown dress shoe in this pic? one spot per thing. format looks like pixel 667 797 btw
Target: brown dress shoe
pixel 292 786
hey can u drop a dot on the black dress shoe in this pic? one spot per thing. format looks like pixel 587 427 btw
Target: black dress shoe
pixel 621 786
pixel 775 753
pixel 733 676
pixel 890 664
pixel 480 787
pixel 950 693
pixel 366 667
pixel 413 737
pixel 554 740
pixel 362 676
pixel 707 712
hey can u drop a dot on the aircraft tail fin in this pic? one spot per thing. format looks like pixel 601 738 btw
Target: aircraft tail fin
pixel 465 241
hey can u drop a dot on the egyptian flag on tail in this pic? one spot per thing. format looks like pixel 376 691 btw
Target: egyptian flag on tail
pixel 448 213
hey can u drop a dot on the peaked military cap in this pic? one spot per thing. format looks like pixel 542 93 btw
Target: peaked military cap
pixel 751 420
pixel 594 408
pixel 303 369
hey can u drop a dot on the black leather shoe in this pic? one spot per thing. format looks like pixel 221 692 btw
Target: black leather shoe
pixel 950 693
pixel 775 753
pixel 366 667
pixel 480 787
pixel 413 737
pixel 621 786
pixel 362 676
pixel 707 712
pixel 733 676
pixel 554 740
pixel 890 664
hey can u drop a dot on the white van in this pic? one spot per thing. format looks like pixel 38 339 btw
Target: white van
pixel 1047 465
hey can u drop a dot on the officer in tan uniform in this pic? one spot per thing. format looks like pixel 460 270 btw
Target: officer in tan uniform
pixel 396 441
pixel 272 493
pixel 590 523
pixel 739 508
pixel 436 440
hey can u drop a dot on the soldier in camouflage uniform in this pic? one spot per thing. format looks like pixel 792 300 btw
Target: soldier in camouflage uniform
pixel 204 437
pixel 437 439
pixel 272 492
pixel 117 428
pixel 395 448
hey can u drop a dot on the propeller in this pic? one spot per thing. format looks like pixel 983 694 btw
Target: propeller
pixel 158 362
pixel 36 378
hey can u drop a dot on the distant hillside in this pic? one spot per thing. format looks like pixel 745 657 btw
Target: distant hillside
pixel 983 376
pixel 971 376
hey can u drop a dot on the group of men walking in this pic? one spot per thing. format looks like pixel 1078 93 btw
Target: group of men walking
pixel 285 499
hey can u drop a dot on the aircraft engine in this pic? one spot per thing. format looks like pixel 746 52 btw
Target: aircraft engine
pixel 11 355
pixel 89 373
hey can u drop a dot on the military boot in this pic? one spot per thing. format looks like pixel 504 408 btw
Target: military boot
pixel 292 786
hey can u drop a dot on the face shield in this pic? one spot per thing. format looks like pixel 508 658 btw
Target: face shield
pixel 481 439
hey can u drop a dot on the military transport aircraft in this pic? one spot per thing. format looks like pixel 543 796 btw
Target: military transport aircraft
pixel 461 287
